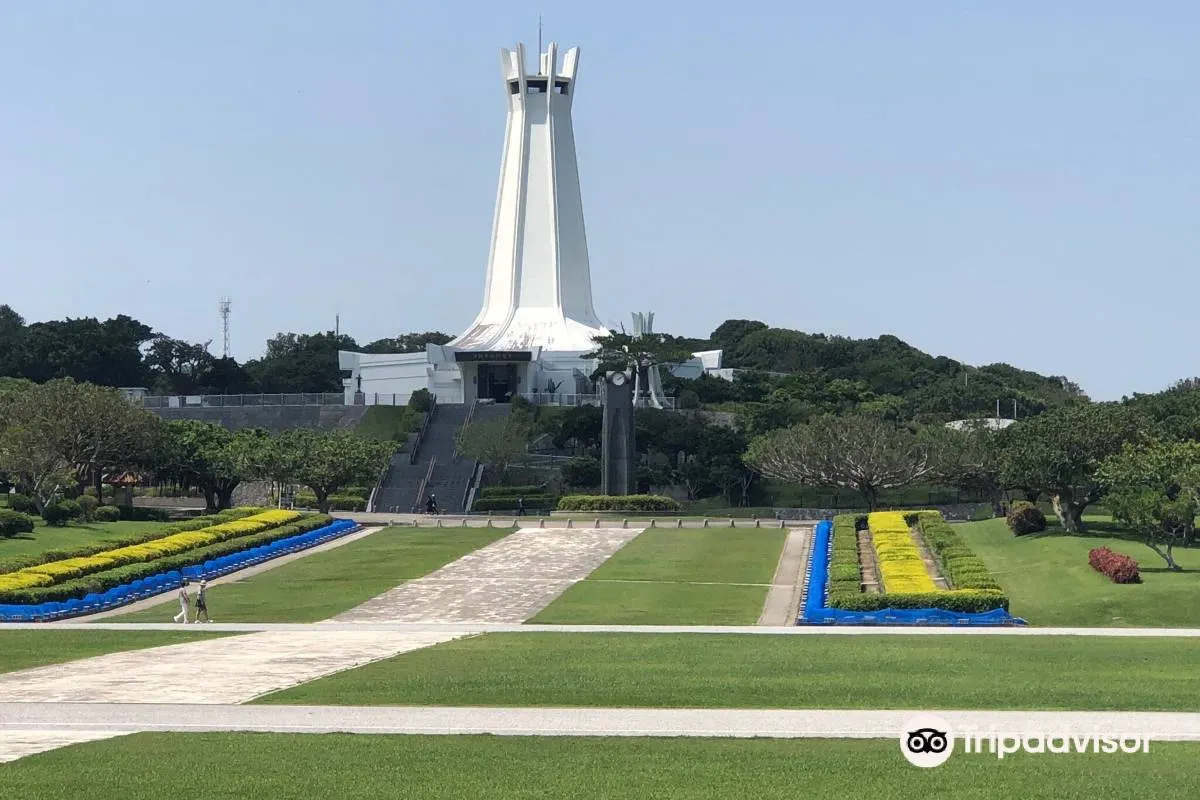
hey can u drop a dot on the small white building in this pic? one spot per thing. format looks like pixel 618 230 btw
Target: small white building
pixel 537 319
pixel 991 423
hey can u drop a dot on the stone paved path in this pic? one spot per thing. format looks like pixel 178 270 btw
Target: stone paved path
pixel 228 670
pixel 18 743
pixel 823 723
pixel 510 580
pixel 507 581
pixel 783 600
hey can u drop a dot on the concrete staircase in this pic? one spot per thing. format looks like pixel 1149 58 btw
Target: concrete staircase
pixel 407 485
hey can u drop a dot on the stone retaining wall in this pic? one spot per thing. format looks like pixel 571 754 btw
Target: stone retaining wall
pixel 959 512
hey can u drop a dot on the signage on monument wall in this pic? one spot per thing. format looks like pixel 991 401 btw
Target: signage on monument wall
pixel 493 355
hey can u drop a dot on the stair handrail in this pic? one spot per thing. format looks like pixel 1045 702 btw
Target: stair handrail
pixel 472 486
pixel 412 457
pixel 466 422
pixel 424 484
pixel 384 474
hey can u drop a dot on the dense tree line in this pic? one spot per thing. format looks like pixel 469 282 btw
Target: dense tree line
pixel 1139 457
pixel 793 377
pixel 59 438
pixel 788 376
pixel 123 352
pixel 705 459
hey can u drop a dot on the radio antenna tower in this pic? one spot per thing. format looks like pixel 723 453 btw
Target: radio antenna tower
pixel 224 308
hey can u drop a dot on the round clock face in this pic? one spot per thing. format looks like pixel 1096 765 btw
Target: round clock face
pixel 619 379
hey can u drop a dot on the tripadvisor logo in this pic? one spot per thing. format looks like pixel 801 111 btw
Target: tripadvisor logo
pixel 927 741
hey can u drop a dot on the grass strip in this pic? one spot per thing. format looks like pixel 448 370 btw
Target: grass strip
pixel 755 671
pixel 151 766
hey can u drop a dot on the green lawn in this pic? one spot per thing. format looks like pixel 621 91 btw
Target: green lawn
pixel 322 585
pixel 668 576
pixel 21 649
pixel 753 671
pixel 1050 583
pixel 150 766
pixel 45 537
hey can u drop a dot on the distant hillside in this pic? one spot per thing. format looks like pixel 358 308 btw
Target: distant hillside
pixel 835 374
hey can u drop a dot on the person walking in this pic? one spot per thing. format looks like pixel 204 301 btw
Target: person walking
pixel 202 601
pixel 431 505
pixel 182 616
pixel 520 506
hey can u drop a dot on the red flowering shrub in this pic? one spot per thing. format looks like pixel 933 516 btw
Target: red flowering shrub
pixel 1121 569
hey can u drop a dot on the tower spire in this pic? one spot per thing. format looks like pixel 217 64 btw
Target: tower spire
pixel 539 288
pixel 540 72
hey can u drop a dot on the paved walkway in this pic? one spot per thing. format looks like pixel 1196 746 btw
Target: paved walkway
pixel 781 724
pixel 507 581
pixel 248 572
pixel 782 606
pixel 510 580
pixel 228 670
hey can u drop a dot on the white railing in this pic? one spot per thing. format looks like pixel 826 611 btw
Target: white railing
pixel 547 399
pixel 241 400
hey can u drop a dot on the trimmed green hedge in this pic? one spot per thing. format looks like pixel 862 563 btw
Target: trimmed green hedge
pixel 106 514
pixel 967 601
pixel 959 564
pixel 14 522
pixel 102 581
pixel 629 502
pixel 845 582
pixel 975 590
pixel 533 501
pixel 23 503
pixel 337 502
pixel 195 524
pixel 144 514
pixel 513 491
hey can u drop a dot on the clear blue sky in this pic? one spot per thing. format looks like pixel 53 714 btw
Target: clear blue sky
pixel 991 181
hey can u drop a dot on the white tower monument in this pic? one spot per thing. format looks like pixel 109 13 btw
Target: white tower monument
pixel 538 319
pixel 539 286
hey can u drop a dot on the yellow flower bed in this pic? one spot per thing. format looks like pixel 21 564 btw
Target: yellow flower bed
pixel 56 571
pixel 900 565
pixel 15 581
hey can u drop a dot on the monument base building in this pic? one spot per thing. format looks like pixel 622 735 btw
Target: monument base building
pixel 538 320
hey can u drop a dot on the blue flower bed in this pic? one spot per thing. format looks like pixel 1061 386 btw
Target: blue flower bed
pixel 156 584
pixel 817 613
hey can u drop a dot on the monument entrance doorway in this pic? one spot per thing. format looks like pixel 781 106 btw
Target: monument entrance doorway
pixel 497 382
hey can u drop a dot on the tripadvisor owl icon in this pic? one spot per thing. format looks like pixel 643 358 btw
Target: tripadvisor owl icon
pixel 926 741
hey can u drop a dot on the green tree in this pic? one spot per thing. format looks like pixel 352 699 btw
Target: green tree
pixel 967 458
pixel 207 456
pixel 104 353
pixel 857 452
pixel 298 363
pixel 29 462
pixel 497 443
pixel 91 429
pixel 581 425
pixel 624 352
pixel 176 366
pixel 407 342
pixel 12 330
pixel 1058 454
pixel 326 461
pixel 1154 488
